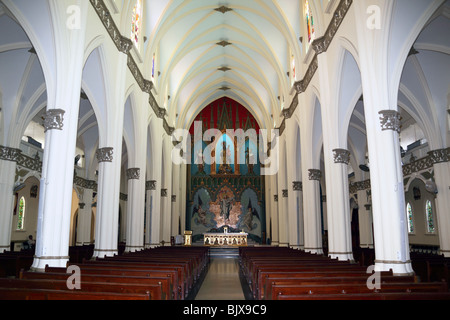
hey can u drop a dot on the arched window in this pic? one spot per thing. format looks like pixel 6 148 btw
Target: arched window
pixel 409 213
pixel 429 216
pixel 293 69
pixel 309 22
pixel 136 23
pixel 21 216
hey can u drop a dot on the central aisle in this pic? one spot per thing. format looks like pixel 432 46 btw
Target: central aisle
pixel 222 281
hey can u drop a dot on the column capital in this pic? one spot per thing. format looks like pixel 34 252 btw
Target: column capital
pixel 150 185
pixel 133 173
pixel 315 175
pixel 275 198
pixel 9 154
pixel 297 186
pixel 285 193
pixel 174 198
pixel 54 119
pixel 164 193
pixel 105 154
pixel 390 120
pixel 82 205
pixel 341 156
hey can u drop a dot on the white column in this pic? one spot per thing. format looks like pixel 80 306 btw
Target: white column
pixel 166 217
pixel 283 194
pixel 107 219
pixel 175 199
pixel 441 162
pixel 8 159
pixel 383 128
pixel 183 196
pixel 365 215
pixel 312 217
pixel 338 205
pixel 61 125
pixel 296 232
pixel 150 213
pixel 85 218
pixel 274 198
pixel 135 216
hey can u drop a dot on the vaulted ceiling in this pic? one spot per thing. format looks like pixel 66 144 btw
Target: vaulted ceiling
pixel 207 50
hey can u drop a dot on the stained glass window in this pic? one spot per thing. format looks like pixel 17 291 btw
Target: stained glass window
pixel 293 67
pixel 429 215
pixel 136 23
pixel 309 22
pixel 409 213
pixel 153 65
pixel 21 216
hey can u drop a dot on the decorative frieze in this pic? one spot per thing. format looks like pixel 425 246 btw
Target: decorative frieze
pixel 302 85
pixel 390 120
pixel 150 185
pixel 434 157
pixel 105 155
pixel 33 164
pixel 315 175
pixel 341 156
pixel 439 156
pixel 123 44
pixel 297 186
pixel 9 154
pixel 145 85
pixel 169 130
pixel 359 186
pixel 321 45
pixel 54 119
pixel 85 184
pixel 133 174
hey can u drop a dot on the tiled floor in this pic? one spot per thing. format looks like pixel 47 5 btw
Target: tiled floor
pixel 222 281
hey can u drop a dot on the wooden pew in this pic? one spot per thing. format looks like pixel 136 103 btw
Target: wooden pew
pixel 12 262
pixel 129 270
pixel 160 274
pixel 351 288
pixel 180 280
pixel 370 296
pixel 156 286
pixel 293 279
pixel 153 290
pixel 42 294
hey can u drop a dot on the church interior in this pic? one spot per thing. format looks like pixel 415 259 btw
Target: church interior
pixel 277 149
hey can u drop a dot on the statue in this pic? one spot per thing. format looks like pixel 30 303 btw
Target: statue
pixel 226 205
pixel 225 167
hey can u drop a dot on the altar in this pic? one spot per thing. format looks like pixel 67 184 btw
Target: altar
pixel 225 239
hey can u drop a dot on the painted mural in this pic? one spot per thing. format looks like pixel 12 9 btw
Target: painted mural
pixel 226 191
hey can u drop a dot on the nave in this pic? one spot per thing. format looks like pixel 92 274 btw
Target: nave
pixel 192 273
